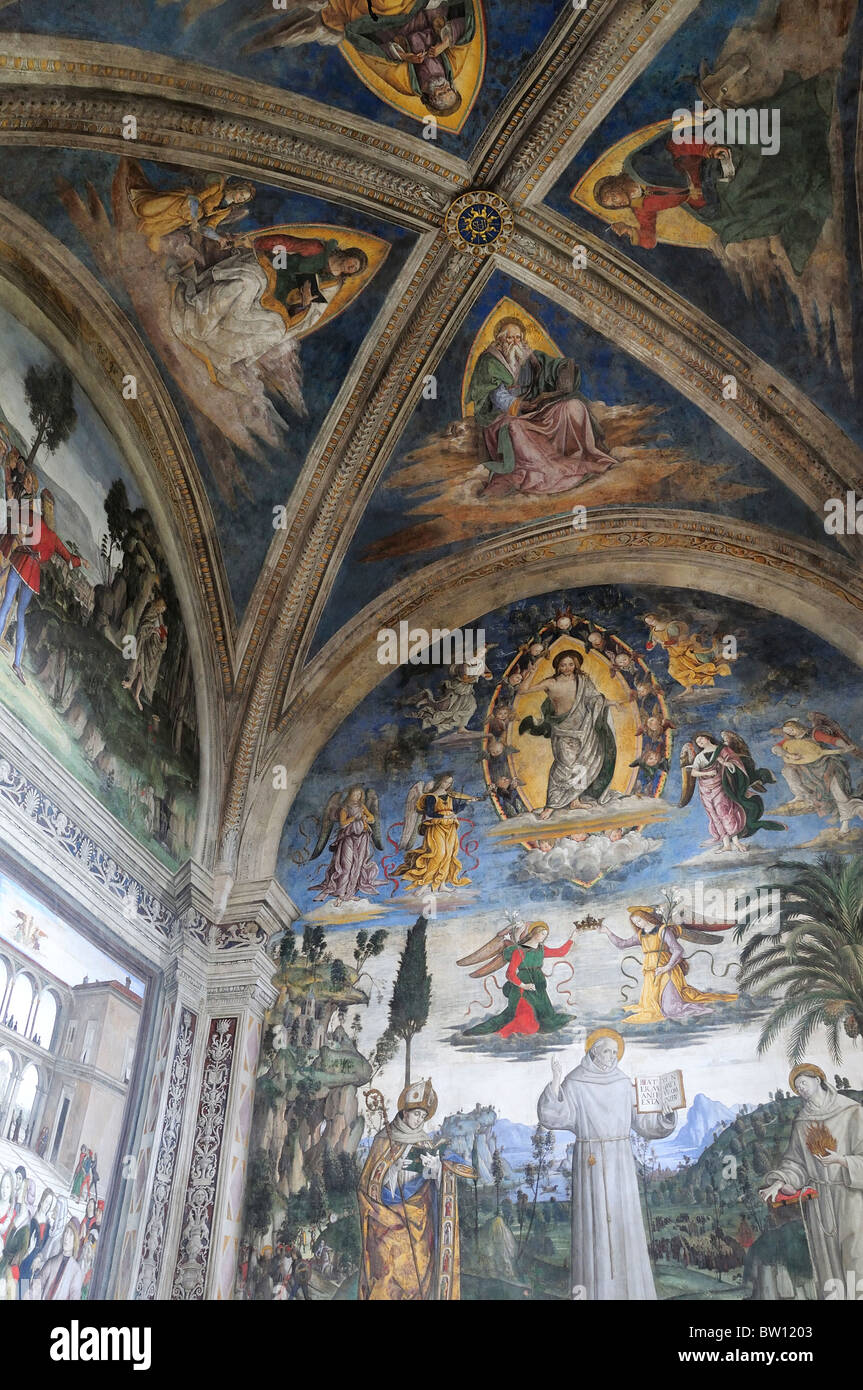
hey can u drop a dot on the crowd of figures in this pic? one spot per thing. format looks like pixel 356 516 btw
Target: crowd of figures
pixel 46 1252
pixel 306 1269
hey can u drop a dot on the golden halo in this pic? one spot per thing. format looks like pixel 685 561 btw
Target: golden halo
pixel 805 1069
pixel 605 1033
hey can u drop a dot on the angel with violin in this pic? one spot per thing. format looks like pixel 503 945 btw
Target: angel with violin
pixel 430 812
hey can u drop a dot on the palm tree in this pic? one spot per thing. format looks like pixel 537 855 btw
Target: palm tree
pixel 810 953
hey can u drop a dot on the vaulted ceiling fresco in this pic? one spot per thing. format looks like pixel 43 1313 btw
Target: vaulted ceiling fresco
pixel 329 327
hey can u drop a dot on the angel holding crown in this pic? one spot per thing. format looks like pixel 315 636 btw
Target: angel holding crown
pixel 352 870
pixel 522 950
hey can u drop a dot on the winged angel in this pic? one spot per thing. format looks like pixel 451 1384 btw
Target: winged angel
pixel 521 948
pixel 430 812
pixel 665 991
pixel 352 870
pixel 728 784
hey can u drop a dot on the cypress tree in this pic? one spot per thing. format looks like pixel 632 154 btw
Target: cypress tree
pixel 409 1005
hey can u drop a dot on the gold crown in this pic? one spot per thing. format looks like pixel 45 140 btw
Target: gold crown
pixel 420 1095
pixel 805 1069
pixel 605 1033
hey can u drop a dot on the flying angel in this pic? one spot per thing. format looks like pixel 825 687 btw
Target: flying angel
pixel 352 870
pixel 522 950
pixel 430 812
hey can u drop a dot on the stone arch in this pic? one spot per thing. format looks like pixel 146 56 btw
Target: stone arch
pixel 47 1016
pixel 25 988
pixel 91 336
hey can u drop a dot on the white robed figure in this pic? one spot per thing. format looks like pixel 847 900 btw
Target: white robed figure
pixel 597 1102
pixel 825 1153
pixel 575 718
pixel 221 316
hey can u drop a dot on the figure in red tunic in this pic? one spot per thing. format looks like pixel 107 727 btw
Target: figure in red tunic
pixel 25 568
pixel 523 951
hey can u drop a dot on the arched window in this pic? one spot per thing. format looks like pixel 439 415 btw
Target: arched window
pixel 25 1096
pixel 7 1066
pixel 45 1018
pixel 20 1002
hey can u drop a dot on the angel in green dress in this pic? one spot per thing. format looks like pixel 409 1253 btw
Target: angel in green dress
pixel 528 1009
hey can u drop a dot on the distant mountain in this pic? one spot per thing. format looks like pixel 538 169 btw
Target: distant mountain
pixel 704 1119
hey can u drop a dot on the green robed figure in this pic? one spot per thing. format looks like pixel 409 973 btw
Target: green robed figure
pixel 536 432
pixel 528 1009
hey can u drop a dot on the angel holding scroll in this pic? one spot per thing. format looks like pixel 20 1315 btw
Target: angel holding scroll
pixel 352 870
pixel 522 949
pixel 430 811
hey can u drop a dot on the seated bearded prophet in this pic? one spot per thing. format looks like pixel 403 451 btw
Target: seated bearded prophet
pixel 408 1199
pixel 417 48
pixel 536 433
pixel 665 992
pixel 822 1168
pixel 596 1103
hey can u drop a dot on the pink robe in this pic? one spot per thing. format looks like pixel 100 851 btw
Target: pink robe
pixel 555 449
pixel 724 815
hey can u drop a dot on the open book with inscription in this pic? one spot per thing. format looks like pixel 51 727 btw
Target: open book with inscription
pixel 656 1094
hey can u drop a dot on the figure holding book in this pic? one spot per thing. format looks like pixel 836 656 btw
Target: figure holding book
pixel 822 1168
pixel 597 1102
pixel 536 431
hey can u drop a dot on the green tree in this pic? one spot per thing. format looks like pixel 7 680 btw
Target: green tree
pixel 48 393
pixel 314 946
pixel 116 513
pixel 385 1049
pixel 332 1174
pixel 317 1202
pixel 288 948
pixel 367 947
pixel 338 975
pixel 812 957
pixel 760 1159
pixel 259 1194
pixel 409 1005
pixel 497 1177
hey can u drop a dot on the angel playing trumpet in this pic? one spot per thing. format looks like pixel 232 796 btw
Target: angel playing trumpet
pixel 430 812
pixel 352 870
